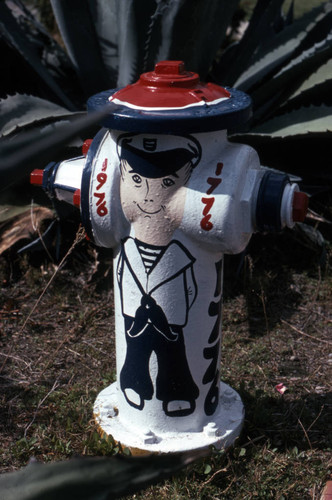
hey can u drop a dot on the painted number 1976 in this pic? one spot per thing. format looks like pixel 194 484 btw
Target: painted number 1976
pixel 100 195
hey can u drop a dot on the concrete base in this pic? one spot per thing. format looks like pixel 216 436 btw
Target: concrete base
pixel 221 430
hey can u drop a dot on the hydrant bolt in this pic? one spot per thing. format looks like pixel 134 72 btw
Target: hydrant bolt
pixel 211 429
pixel 149 437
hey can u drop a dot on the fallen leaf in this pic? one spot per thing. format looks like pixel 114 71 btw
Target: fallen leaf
pixel 23 227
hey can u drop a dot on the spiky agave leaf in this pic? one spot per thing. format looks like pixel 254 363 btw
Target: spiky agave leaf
pixel 272 54
pixel 89 30
pixel 316 89
pixel 198 31
pixel 32 56
pixel 290 81
pixel 274 92
pixel 91 478
pixel 139 36
pixel 21 112
pixel 302 121
pixel 261 29
pixel 298 141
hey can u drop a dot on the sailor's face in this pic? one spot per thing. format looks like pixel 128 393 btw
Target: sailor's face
pixel 152 200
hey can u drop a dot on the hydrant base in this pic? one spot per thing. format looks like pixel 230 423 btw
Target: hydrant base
pixel 220 431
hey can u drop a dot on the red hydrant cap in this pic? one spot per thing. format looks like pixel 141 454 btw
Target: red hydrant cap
pixel 171 100
pixel 300 206
pixel 169 86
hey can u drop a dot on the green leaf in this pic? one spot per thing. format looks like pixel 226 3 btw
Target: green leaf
pixel 19 111
pixel 14 35
pixel 197 32
pixel 313 119
pixel 293 39
pixel 91 478
pixel 89 31
pixel 207 469
pixel 260 29
pixel 273 93
pixel 314 89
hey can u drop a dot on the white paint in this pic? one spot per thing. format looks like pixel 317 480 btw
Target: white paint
pixel 166 108
pixel 287 205
pixel 68 178
pixel 220 432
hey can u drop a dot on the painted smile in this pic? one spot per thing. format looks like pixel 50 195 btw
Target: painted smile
pixel 149 213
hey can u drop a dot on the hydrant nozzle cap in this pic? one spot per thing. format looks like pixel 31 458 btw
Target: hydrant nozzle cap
pixel 77 198
pixel 86 146
pixel 300 206
pixel 169 86
pixel 36 177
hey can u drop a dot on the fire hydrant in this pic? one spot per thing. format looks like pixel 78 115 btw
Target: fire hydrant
pixel 162 186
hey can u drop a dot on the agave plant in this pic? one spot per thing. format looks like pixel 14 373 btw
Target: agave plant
pixel 285 66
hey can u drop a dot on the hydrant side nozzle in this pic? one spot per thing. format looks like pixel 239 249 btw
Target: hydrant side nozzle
pixel 45 177
pixel 279 203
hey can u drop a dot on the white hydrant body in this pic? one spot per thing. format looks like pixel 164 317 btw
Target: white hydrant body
pixel 171 205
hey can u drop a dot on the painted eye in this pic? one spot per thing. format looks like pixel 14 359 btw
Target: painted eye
pixel 167 182
pixel 137 179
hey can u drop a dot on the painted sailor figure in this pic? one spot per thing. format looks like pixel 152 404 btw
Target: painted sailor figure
pixel 158 270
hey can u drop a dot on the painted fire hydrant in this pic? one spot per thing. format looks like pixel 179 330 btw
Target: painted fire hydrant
pixel 162 186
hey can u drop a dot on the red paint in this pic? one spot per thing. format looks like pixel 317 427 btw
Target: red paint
pixel 77 198
pixel 36 177
pixel 104 167
pixel 86 146
pixel 219 168
pixel 300 206
pixel 101 202
pixel 206 224
pixel 101 178
pixel 214 183
pixel 208 202
pixel 100 196
pixel 169 86
pixel 102 209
